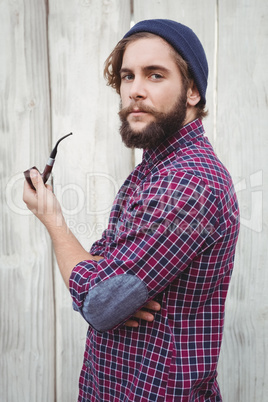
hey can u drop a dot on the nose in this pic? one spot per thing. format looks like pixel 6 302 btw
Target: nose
pixel 137 90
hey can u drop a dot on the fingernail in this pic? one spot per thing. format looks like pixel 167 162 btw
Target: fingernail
pixel 34 173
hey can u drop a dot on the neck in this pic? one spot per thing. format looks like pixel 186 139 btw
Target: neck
pixel 190 114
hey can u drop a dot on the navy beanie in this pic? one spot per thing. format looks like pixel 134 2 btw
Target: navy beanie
pixel 185 42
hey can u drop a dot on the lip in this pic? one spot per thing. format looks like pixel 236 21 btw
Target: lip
pixel 137 112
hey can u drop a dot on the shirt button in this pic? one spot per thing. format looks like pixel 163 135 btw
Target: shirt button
pixel 87 364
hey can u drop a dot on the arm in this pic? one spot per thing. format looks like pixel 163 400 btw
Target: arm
pixel 165 225
pixel 69 252
pixel 46 208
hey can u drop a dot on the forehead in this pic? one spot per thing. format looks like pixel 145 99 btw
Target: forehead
pixel 149 51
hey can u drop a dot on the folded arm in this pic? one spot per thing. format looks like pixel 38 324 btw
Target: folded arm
pixel 160 233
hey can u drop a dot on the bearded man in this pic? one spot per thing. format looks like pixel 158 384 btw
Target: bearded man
pixel 153 288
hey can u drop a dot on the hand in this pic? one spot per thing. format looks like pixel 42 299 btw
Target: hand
pixel 143 314
pixel 42 202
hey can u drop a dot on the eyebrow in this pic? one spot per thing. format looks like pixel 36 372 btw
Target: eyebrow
pixel 147 69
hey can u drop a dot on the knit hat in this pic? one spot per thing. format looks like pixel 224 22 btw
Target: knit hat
pixel 185 42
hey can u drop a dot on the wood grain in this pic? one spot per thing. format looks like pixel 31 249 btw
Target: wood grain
pixel 27 355
pixel 242 145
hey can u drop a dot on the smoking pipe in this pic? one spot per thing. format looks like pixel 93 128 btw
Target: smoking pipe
pixel 48 168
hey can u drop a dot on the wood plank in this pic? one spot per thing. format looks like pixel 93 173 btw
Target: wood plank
pixel 92 164
pixel 26 286
pixel 242 144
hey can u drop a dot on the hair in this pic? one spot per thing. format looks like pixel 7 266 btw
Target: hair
pixel 114 61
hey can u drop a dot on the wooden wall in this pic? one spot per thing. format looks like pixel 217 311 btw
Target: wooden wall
pixel 52 55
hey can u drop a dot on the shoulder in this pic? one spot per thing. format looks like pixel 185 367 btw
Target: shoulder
pixel 196 163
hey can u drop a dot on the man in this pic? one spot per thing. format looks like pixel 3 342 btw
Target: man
pixel 170 239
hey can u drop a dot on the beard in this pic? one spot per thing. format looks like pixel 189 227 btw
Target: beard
pixel 163 126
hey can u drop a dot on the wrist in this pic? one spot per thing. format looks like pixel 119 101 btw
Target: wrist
pixel 54 222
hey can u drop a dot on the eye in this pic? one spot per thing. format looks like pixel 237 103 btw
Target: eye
pixel 127 77
pixel 156 76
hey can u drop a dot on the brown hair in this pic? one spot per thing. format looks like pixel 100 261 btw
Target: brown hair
pixel 113 65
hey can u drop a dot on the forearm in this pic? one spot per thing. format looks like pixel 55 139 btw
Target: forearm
pixel 68 250
pixel 46 208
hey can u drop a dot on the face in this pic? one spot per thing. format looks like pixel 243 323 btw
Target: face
pixel 151 90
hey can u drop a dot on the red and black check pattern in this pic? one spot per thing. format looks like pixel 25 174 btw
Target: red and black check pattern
pixel 174 225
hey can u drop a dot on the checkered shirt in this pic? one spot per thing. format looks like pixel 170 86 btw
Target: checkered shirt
pixel 173 226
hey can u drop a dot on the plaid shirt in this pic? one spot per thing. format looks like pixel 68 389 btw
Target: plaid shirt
pixel 171 237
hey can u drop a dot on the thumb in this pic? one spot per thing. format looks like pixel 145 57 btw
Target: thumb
pixel 37 180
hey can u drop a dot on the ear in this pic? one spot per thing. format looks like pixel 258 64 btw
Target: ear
pixel 193 96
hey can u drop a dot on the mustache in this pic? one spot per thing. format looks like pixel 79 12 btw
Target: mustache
pixel 124 112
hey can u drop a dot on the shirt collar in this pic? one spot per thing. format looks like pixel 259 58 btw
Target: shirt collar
pixel 186 134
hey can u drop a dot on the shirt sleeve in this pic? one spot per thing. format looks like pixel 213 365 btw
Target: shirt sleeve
pixel 168 221
pixel 99 246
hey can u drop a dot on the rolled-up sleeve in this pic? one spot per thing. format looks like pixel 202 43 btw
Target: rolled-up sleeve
pixel 166 223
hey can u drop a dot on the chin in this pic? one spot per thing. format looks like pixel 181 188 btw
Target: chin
pixel 138 128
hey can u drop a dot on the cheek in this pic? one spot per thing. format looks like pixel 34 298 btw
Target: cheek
pixel 167 100
pixel 124 96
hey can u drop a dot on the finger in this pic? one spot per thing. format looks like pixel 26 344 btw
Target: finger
pixel 49 187
pixel 27 187
pixel 28 192
pixel 37 180
pixel 144 315
pixel 153 305
pixel 132 324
